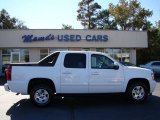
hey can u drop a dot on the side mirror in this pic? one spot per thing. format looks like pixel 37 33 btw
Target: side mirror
pixel 116 67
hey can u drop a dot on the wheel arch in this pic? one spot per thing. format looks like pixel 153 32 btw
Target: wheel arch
pixel 142 80
pixel 38 81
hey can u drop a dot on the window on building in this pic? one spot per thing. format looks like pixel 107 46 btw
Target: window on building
pixel 24 55
pixel 51 50
pixel 100 50
pixel 85 49
pixel 15 50
pixel 46 51
pixel 109 52
pixel 15 55
pixel 6 54
pixel 117 54
pixel 43 52
pixel 125 55
pixel 74 60
pixel 101 62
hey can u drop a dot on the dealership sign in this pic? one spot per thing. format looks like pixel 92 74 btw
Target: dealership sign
pixel 65 38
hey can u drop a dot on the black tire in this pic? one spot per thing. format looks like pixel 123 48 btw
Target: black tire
pixel 137 92
pixel 41 95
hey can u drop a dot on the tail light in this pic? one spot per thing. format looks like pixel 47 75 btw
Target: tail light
pixel 8 72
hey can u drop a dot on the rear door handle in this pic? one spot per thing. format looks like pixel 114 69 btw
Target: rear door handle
pixel 66 73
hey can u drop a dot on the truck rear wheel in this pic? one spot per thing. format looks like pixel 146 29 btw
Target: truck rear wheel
pixel 137 92
pixel 41 95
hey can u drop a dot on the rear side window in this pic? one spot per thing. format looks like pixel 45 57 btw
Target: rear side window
pixel 50 60
pixel 75 60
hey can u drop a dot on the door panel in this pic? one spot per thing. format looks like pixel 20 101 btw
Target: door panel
pixel 103 77
pixel 74 74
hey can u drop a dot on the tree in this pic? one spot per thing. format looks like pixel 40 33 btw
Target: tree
pixel 130 15
pixel 103 21
pixel 87 13
pixel 6 22
pixel 152 52
pixel 158 24
pixel 66 26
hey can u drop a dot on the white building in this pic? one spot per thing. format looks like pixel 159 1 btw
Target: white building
pixel 32 45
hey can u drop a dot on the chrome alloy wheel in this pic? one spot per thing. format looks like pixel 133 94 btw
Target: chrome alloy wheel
pixel 41 96
pixel 138 92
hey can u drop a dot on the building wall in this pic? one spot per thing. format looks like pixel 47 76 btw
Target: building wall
pixel 133 56
pixel 13 39
pixel 75 49
pixel 116 39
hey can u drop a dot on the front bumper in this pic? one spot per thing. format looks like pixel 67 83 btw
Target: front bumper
pixel 152 85
pixel 6 87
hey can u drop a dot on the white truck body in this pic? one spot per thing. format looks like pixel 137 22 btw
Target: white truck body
pixel 88 79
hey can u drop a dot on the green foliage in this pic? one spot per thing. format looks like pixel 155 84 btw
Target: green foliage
pixel 158 24
pixel 103 21
pixel 120 13
pixel 130 15
pixel 67 26
pixel 6 22
pixel 87 13
pixel 153 50
pixel 126 15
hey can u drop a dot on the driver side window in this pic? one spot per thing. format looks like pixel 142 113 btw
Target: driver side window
pixel 101 62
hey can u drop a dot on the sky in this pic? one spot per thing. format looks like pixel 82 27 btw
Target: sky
pixel 51 14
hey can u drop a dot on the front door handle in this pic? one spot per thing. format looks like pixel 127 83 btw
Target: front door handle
pixel 95 73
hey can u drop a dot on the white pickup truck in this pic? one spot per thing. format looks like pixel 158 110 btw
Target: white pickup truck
pixel 78 72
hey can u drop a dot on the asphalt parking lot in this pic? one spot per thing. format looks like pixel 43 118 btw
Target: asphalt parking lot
pixel 108 107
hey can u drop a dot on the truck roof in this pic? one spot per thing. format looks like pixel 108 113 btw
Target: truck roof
pixel 79 52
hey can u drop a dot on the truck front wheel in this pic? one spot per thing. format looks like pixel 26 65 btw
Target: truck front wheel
pixel 41 95
pixel 137 92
